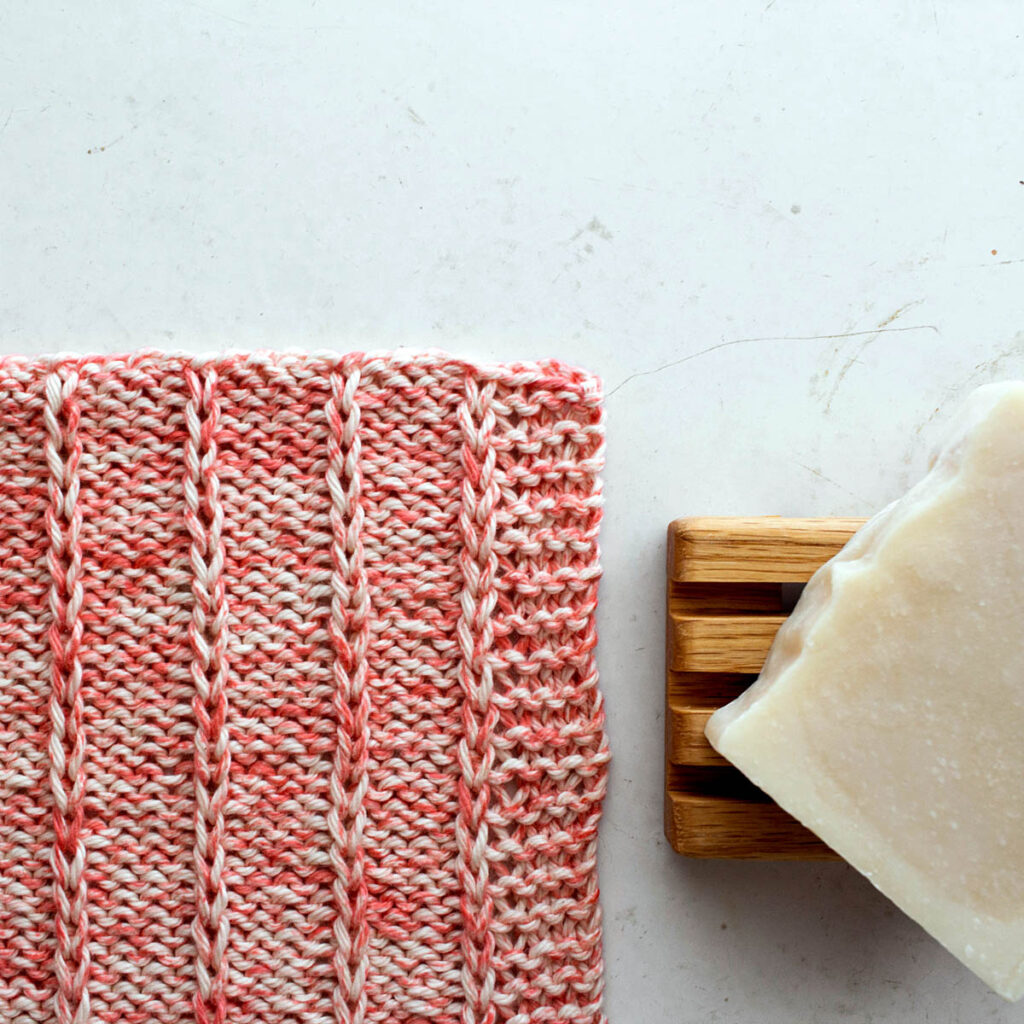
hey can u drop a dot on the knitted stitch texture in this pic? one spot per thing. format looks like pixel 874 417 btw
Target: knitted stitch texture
pixel 299 717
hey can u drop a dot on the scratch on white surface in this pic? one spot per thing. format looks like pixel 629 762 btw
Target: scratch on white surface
pixel 835 483
pixel 105 146
pixel 751 341
pixel 624 184
pixel 862 348
pixel 892 317
pixel 117 322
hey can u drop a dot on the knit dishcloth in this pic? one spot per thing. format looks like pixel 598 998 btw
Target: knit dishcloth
pixel 299 717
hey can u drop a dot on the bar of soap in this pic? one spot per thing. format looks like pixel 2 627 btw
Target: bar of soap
pixel 889 716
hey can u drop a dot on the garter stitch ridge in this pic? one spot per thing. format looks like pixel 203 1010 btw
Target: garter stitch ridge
pixel 299 717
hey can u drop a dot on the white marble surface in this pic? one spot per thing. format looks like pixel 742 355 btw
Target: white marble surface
pixel 770 227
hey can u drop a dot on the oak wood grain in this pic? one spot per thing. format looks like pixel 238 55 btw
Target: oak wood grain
pixel 751 550
pixel 725 603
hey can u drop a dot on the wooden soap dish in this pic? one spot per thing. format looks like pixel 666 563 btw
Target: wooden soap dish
pixel 731 583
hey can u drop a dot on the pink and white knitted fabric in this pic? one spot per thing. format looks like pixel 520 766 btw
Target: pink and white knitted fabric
pixel 299 717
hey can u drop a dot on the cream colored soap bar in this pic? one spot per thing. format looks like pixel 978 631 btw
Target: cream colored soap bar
pixel 889 717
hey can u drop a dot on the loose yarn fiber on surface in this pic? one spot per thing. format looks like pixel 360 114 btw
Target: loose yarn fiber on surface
pixel 299 717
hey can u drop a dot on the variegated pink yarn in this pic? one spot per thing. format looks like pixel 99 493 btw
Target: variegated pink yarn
pixel 299 717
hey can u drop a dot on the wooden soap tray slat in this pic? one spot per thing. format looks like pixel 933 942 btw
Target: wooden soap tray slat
pixel 731 583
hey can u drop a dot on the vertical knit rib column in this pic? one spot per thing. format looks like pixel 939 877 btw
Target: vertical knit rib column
pixel 478 563
pixel 349 627
pixel 27 982
pixel 272 464
pixel 208 636
pixel 411 539
pixel 138 691
pixel 67 735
